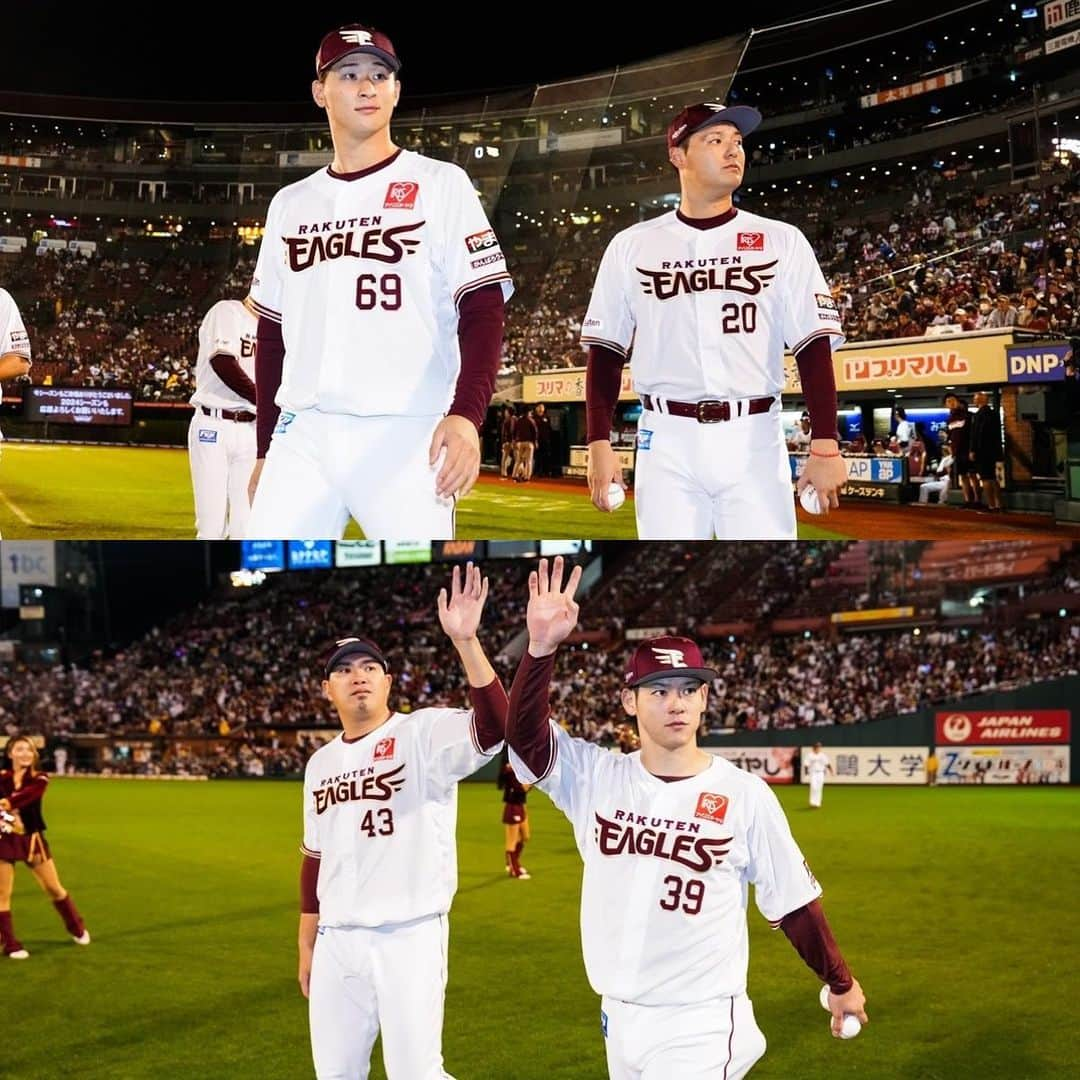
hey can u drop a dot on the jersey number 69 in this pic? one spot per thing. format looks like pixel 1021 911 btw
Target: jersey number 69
pixel 368 297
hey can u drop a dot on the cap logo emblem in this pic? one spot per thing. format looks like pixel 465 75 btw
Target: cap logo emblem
pixel 714 105
pixel 671 657
pixel 345 641
pixel 355 37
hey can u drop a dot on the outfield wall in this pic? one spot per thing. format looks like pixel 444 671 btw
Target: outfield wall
pixel 1050 702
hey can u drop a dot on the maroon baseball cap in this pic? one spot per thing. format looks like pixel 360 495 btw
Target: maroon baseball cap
pixel 355 38
pixel 351 646
pixel 695 117
pixel 663 658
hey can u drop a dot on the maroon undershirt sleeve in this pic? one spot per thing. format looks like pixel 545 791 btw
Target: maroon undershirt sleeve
pixel 489 713
pixel 819 387
pixel 30 792
pixel 481 316
pixel 309 886
pixel 227 368
pixel 269 359
pixel 808 931
pixel 527 718
pixel 603 379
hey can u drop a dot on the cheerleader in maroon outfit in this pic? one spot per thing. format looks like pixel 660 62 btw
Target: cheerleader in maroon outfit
pixel 515 818
pixel 22 839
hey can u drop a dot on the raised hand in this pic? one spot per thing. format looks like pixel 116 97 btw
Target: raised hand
pixel 460 613
pixel 552 611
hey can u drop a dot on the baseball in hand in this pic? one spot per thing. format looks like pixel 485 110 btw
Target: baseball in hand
pixel 851 1025
pixel 615 495
pixel 809 499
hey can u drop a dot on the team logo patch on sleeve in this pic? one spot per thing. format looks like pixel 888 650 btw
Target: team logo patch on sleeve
pixel 401 195
pixel 487 260
pixel 481 241
pixel 750 241
pixel 384 749
pixel 711 807
pixel 207 435
pixel 825 302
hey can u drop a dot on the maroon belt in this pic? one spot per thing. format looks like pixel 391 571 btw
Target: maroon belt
pixel 229 414
pixel 709 411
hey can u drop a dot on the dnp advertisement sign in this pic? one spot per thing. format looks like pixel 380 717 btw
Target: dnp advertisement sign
pixel 1037 363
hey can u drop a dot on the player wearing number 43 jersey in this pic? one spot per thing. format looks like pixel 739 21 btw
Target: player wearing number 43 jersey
pixel 380 289
pixel 380 865
pixel 703 300
pixel 671 837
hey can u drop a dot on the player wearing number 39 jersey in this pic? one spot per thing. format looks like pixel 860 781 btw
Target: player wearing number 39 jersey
pixel 380 865
pixel 380 288
pixel 671 837
pixel 703 301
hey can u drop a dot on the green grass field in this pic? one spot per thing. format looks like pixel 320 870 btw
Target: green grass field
pixel 955 908
pixel 55 491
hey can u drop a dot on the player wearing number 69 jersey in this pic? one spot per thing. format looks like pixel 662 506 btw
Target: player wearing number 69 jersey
pixel 703 301
pixel 671 837
pixel 380 288
pixel 380 866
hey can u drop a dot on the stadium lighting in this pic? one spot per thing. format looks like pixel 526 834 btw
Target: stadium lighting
pixel 916 631
pixel 1061 613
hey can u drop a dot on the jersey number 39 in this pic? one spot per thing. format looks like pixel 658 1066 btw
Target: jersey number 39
pixel 685 894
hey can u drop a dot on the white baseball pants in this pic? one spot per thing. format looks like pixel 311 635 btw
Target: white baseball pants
pixel 714 1040
pixel 390 978
pixel 221 454
pixel 730 480
pixel 817 787
pixel 323 467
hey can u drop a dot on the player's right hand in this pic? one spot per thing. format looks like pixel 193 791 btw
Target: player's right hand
pixel 854 1001
pixel 253 483
pixel 604 469
pixel 552 612
pixel 305 972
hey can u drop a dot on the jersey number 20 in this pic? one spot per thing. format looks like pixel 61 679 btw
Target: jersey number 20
pixel 685 894
pixel 387 295
pixel 378 822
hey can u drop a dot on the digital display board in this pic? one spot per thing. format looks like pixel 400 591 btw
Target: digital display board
pixel 262 554
pixel 407 551
pixel 358 553
pixel 77 405
pixel 310 554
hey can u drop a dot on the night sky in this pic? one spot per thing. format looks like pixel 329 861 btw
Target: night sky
pixel 206 52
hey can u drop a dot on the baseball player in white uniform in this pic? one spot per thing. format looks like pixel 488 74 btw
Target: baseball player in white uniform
pixel 703 301
pixel 221 438
pixel 380 288
pixel 817 764
pixel 14 342
pixel 671 837
pixel 380 864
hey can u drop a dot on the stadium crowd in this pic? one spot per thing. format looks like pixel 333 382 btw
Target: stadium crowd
pixel 228 685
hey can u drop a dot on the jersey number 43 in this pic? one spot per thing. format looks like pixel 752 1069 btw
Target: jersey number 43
pixel 378 822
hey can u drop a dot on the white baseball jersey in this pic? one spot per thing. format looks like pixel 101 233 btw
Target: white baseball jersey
pixel 365 275
pixel 380 812
pixel 13 336
pixel 708 312
pixel 227 328
pixel 664 896
pixel 816 764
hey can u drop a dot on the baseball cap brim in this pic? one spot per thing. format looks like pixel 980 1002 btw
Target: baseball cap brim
pixel 706 675
pixel 354 648
pixel 745 117
pixel 392 62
